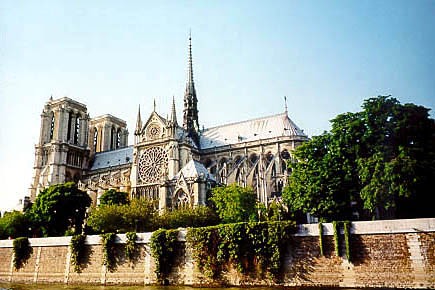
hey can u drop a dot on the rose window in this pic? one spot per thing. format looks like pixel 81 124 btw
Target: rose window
pixel 153 164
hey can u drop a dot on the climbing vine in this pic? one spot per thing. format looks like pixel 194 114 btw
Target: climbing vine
pixel 108 243
pixel 204 243
pixel 346 229
pixel 321 239
pixel 163 246
pixel 77 246
pixel 130 246
pixel 245 246
pixel 22 251
pixel 336 241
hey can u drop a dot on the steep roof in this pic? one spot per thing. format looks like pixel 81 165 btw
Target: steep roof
pixel 113 158
pixel 250 130
pixel 194 169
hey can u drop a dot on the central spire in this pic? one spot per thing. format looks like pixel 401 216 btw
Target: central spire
pixel 190 112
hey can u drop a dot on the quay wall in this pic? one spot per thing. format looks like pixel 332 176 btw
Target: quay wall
pixel 393 254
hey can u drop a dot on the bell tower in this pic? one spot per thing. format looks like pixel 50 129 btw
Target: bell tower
pixel 62 151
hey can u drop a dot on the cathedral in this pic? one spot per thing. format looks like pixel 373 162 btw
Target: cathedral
pixel 172 164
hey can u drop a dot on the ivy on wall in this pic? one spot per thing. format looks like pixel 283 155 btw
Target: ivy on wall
pixel 78 251
pixel 163 246
pixel 249 247
pixel 130 246
pixel 204 243
pixel 321 239
pixel 108 244
pixel 336 238
pixel 346 230
pixel 22 251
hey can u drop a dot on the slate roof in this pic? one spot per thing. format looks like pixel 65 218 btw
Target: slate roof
pixel 194 169
pixel 250 130
pixel 113 158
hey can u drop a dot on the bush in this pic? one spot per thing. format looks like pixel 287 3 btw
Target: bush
pixel 200 216
pixel 138 216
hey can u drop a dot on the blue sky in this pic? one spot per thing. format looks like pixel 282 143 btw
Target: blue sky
pixel 325 56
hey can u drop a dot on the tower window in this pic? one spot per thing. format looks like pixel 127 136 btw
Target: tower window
pixel 112 139
pixel 69 126
pixel 95 139
pixel 76 131
pixel 52 127
pixel 118 138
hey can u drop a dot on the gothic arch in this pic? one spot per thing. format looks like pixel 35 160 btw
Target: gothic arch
pixel 95 144
pixel 52 123
pixel 181 199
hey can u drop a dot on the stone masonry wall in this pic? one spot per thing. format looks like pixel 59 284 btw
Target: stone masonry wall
pixel 396 254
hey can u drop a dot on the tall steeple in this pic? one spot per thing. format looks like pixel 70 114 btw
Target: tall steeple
pixel 190 112
pixel 138 122
pixel 173 113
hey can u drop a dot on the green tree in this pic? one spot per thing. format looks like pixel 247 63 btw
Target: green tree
pixel 14 224
pixel 60 208
pixel 112 196
pixel 234 203
pixel 320 183
pixel 382 157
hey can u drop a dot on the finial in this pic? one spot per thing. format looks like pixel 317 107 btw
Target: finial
pixel 138 122
pixel 51 98
pixel 285 104
pixel 173 112
pixel 154 105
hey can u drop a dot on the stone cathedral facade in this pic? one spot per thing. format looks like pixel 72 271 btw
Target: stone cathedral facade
pixel 170 163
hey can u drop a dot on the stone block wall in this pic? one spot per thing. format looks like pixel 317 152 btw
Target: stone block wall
pixel 394 254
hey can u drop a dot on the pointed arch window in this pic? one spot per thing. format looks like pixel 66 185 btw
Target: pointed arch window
pixel 95 139
pixel 52 126
pixel 182 199
pixel 112 138
pixel 118 138
pixel 76 130
pixel 68 137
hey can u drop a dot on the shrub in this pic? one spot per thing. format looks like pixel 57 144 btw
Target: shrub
pixel 200 216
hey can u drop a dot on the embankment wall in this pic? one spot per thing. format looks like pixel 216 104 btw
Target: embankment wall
pixel 395 253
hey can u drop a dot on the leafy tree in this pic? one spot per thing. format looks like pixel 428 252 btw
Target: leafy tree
pixel 319 183
pixel 60 208
pixel 14 224
pixel 112 196
pixel 234 203
pixel 382 157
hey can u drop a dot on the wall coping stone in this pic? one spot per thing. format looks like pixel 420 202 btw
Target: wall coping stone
pixel 374 227
pixel 358 228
